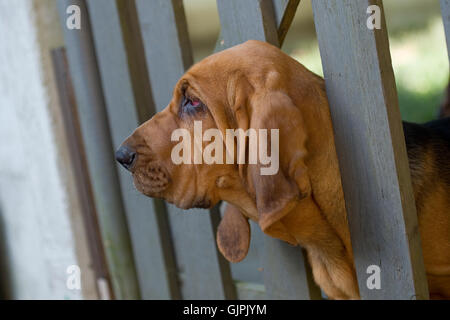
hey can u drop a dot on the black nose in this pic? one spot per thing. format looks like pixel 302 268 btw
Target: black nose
pixel 126 157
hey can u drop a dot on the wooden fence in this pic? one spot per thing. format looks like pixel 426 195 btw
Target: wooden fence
pixel 124 62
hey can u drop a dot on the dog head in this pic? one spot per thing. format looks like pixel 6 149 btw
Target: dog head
pixel 184 155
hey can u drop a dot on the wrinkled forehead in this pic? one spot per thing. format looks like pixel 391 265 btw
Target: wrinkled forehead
pixel 253 60
pixel 207 79
pixel 211 76
pixel 214 69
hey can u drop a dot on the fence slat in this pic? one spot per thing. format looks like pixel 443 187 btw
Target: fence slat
pixel 285 275
pixel 204 273
pixel 78 161
pixel 284 14
pixel 99 151
pixel 371 148
pixel 148 224
pixel 445 10
pixel 244 20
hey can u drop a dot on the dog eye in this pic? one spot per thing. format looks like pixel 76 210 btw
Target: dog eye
pixel 191 105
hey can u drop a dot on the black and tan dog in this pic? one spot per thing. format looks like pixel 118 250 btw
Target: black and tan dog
pixel 255 85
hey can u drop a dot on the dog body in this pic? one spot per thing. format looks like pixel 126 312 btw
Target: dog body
pixel 255 85
pixel 428 148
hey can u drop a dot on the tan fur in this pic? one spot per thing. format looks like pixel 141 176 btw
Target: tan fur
pixel 255 85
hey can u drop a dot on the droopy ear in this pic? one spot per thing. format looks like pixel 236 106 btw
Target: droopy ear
pixel 278 191
pixel 233 234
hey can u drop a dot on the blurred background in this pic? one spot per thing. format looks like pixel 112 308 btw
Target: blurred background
pixel 41 233
pixel 416 36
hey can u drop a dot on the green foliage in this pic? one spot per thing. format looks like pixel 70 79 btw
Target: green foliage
pixel 417 41
pixel 420 62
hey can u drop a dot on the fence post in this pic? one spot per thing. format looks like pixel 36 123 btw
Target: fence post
pixel 283 12
pixel 99 151
pixel 149 230
pixel 204 273
pixel 286 275
pixel 284 15
pixel 83 184
pixel 371 148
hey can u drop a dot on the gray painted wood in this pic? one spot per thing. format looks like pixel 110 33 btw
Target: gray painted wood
pixel 250 291
pixel 71 125
pixel 149 230
pixel 250 270
pixel 284 14
pixel 203 272
pixel 370 144
pixel 445 10
pixel 285 274
pixel 99 151
pixel 244 20
pixel 284 11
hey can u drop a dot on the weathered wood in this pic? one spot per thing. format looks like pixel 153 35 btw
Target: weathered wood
pixel 250 291
pixel 203 272
pixel 284 15
pixel 131 33
pixel 285 275
pixel 244 20
pixel 371 148
pixel 149 230
pixel 99 151
pixel 445 10
pixel 78 161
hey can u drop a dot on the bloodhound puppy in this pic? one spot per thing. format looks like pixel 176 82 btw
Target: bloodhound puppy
pixel 256 86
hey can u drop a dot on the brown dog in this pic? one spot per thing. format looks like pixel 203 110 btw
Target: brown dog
pixel 255 85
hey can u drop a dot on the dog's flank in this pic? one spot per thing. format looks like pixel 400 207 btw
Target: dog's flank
pixel 428 148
